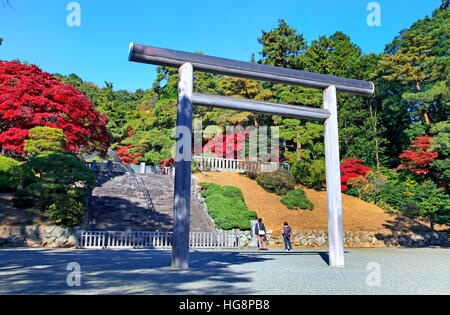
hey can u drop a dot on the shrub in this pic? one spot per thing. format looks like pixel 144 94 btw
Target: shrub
pixel 433 203
pixel 252 173
pixel 296 199
pixel 309 174
pixel 59 183
pixel 227 207
pixel 100 159
pixel 279 182
pixel 7 166
pixel 44 140
pixel 387 207
pixel 367 187
pixel 426 201
pixel 232 192
pixel 7 163
pixel 251 168
pixel 395 193
pixel 209 189
pixel 353 191
pixel 67 210
pixel 410 209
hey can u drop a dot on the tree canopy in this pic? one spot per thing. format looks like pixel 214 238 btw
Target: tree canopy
pixel 30 97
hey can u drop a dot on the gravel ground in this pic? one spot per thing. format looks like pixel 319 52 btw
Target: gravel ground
pixel 243 272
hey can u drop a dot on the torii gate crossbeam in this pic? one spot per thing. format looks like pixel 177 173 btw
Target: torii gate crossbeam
pixel 330 85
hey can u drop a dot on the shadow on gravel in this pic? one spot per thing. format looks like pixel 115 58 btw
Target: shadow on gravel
pixel 402 227
pixel 323 254
pixel 122 272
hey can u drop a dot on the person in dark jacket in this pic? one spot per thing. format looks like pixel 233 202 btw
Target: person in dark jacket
pixel 287 232
pixel 261 232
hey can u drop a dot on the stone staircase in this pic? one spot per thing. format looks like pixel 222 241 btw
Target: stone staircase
pixel 123 201
pixel 160 188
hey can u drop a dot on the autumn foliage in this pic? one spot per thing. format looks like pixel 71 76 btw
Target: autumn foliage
pixel 30 97
pixel 352 168
pixel 226 146
pixel 418 158
pixel 128 157
pixel 129 154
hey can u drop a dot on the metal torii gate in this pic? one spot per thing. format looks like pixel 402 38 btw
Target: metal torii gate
pixel 187 63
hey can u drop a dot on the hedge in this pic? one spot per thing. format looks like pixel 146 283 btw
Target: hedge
pixel 279 182
pixel 6 168
pixel 296 199
pixel 227 207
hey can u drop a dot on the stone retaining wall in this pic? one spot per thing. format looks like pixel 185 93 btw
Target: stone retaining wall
pixel 61 237
pixel 363 239
pixel 196 191
pixel 37 236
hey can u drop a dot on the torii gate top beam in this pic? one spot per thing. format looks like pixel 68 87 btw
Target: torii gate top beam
pixel 203 63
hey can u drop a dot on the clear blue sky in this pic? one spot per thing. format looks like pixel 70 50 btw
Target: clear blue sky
pixel 36 30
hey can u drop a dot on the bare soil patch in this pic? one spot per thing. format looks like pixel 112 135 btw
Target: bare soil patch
pixel 358 215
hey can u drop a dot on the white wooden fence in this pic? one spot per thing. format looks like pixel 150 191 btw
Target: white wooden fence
pixel 214 240
pixel 223 164
pixel 159 240
pixel 219 164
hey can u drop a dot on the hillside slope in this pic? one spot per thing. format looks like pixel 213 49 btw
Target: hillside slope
pixel 358 215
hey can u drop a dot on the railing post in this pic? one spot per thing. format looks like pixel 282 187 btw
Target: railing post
pixel 254 240
pixel 333 179
pixel 182 199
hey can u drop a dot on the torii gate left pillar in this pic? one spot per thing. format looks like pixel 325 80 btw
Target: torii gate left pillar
pixel 183 158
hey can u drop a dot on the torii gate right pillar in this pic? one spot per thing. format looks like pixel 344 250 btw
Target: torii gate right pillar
pixel 333 180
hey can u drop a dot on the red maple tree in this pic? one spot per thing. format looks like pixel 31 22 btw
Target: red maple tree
pixel 226 146
pixel 351 168
pixel 30 97
pixel 128 157
pixel 125 151
pixel 417 158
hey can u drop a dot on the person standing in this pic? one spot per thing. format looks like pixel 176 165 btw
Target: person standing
pixel 287 232
pixel 261 232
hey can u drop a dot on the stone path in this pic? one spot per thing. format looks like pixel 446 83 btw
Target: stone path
pixel 119 203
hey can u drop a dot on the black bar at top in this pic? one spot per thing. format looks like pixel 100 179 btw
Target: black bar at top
pixel 203 63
